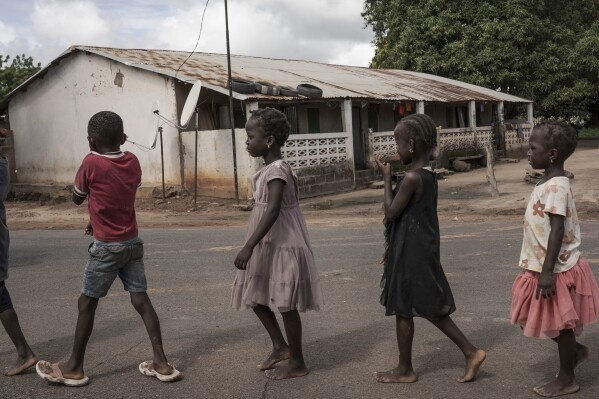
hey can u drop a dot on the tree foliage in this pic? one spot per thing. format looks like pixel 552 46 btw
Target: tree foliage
pixel 16 72
pixel 545 50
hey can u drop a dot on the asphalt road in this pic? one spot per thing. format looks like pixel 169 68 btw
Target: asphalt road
pixel 190 273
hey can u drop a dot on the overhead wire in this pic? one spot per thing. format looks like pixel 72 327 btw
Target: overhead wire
pixel 197 42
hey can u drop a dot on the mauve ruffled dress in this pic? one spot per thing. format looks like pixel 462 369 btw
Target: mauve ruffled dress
pixel 281 272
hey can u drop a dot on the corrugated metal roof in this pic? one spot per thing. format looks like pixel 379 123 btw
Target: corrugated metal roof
pixel 336 81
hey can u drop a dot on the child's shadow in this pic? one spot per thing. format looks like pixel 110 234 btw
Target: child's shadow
pixel 332 351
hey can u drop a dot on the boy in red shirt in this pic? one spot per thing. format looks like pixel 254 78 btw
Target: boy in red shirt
pixel 109 178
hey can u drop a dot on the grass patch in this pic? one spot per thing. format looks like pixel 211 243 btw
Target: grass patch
pixel 588 133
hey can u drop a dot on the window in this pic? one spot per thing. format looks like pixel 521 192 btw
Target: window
pixel 291 114
pixel 373 119
pixel 313 120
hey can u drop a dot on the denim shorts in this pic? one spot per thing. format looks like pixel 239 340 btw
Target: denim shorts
pixel 107 260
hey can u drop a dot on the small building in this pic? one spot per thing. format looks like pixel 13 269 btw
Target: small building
pixel 335 135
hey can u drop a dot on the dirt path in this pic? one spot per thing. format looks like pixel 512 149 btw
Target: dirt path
pixel 462 198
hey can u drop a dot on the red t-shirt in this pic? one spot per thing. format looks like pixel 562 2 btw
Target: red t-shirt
pixel 110 181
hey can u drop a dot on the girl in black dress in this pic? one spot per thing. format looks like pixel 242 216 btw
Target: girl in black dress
pixel 414 283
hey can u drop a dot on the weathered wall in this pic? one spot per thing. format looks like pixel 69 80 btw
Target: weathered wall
pixel 50 119
pixel 325 179
pixel 215 163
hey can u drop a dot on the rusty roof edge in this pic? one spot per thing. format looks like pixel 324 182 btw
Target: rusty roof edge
pixel 481 89
pixel 178 76
pixel 4 102
pixel 181 77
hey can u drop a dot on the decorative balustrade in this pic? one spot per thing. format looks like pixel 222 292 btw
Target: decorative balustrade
pixel 304 150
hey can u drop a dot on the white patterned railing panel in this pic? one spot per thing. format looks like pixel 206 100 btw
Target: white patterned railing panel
pixel 464 138
pixel 517 136
pixel 304 150
pixel 383 143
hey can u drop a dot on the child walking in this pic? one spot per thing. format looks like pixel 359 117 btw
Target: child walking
pixel 414 284
pixel 109 178
pixel 25 356
pixel 276 265
pixel 556 294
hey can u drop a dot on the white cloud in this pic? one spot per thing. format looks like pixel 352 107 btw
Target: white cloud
pixel 357 54
pixel 316 30
pixel 7 34
pixel 68 22
pixel 325 31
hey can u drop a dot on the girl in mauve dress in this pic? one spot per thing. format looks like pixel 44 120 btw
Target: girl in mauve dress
pixel 276 265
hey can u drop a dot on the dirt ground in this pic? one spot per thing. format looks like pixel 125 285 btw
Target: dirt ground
pixel 463 197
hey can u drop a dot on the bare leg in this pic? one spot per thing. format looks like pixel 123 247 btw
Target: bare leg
pixel 474 356
pixel 280 349
pixel 404 371
pixel 73 368
pixel 296 367
pixel 564 383
pixel 25 356
pixel 142 304
pixel 581 354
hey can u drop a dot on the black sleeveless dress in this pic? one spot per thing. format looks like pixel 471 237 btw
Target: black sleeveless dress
pixel 413 282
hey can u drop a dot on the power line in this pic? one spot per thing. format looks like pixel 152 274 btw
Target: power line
pixel 200 35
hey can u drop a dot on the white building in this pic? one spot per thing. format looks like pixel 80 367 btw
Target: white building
pixel 334 137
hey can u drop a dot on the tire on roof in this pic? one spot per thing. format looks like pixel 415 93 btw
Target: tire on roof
pixel 309 90
pixel 243 86
pixel 287 92
pixel 267 88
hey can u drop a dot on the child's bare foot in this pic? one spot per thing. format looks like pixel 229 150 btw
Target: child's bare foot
pixel 396 376
pixel 165 369
pixel 287 371
pixel 20 365
pixel 557 387
pixel 275 357
pixel 473 363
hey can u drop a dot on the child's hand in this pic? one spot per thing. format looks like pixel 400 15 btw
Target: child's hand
pixel 545 286
pixel 243 257
pixel 89 230
pixel 384 167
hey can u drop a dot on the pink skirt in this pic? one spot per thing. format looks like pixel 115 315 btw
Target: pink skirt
pixel 574 305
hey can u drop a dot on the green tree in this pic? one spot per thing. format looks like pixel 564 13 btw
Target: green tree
pixel 546 50
pixel 16 72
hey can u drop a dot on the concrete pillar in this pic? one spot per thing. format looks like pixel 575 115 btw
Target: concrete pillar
pixel 420 107
pixel 249 107
pixel 472 114
pixel 472 119
pixel 530 115
pixel 346 119
pixel 500 120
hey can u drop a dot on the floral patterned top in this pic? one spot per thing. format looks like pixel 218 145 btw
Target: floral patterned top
pixel 554 196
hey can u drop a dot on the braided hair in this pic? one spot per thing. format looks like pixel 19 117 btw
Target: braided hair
pixel 419 127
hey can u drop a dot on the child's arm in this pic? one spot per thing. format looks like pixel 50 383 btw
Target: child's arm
pixel 395 204
pixel 275 197
pixel 546 285
pixel 89 230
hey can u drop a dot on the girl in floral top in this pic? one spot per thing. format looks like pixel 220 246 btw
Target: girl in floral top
pixel 556 294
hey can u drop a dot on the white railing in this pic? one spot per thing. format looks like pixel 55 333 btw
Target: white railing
pixel 304 150
pixel 517 135
pixel 462 138
pixel 383 143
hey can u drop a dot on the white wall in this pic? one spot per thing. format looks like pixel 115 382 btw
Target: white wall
pixel 215 163
pixel 50 118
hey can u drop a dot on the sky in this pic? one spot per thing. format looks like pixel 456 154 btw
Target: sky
pixel 330 31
